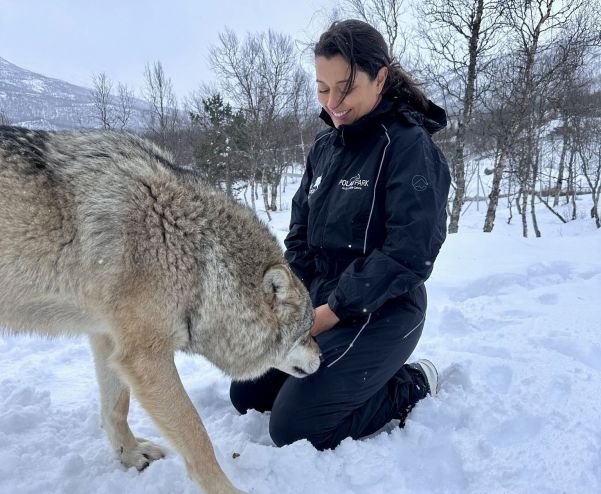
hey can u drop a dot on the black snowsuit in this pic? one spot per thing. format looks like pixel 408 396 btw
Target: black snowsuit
pixel 366 226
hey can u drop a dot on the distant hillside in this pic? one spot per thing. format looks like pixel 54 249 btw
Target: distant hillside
pixel 36 101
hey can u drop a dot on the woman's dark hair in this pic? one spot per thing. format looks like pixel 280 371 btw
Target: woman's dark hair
pixel 365 49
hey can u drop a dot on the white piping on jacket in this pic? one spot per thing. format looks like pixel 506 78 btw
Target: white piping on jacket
pixel 361 330
pixel 373 202
pixel 352 342
pixel 418 325
pixel 321 137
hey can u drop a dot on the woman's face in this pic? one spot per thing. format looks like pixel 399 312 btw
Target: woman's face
pixel 332 75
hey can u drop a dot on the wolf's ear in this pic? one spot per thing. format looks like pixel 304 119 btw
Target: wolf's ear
pixel 278 286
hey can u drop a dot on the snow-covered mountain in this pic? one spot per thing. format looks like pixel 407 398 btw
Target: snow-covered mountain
pixel 36 101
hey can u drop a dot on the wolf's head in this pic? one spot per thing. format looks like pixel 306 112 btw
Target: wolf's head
pixel 298 353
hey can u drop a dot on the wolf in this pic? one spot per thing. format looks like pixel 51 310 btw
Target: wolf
pixel 102 234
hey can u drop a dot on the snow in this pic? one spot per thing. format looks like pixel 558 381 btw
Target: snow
pixel 513 325
pixel 36 85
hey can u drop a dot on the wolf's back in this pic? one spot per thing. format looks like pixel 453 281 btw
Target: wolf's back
pixel 35 208
pixel 81 205
pixel 63 197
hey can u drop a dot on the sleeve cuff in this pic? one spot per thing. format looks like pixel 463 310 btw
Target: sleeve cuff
pixel 335 307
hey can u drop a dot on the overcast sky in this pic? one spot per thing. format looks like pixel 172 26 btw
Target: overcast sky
pixel 73 39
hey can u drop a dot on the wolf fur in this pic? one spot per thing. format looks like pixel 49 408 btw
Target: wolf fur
pixel 101 234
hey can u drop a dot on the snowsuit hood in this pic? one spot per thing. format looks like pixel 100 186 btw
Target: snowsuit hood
pixel 433 121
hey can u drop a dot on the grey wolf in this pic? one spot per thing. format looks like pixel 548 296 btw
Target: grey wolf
pixel 101 234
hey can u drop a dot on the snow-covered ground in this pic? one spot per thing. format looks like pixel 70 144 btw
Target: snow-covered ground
pixel 513 324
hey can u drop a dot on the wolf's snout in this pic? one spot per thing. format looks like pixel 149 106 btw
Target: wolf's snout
pixel 303 359
pixel 299 371
pixel 306 370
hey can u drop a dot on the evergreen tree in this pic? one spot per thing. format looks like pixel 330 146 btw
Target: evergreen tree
pixel 217 153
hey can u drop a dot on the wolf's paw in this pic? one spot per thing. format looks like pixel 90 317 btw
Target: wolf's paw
pixel 142 455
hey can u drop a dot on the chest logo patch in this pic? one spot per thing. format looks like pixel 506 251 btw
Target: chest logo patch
pixel 419 183
pixel 354 183
pixel 314 185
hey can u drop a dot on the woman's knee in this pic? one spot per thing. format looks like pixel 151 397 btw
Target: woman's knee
pixel 286 427
pixel 282 428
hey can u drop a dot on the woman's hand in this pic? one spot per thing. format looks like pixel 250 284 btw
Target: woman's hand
pixel 324 319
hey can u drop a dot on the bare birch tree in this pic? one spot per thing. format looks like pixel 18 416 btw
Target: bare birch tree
pixel 533 23
pixel 384 15
pixel 4 120
pixel 589 152
pixel 259 75
pixel 459 39
pixel 304 107
pixel 124 104
pixel 163 106
pixel 572 99
pixel 102 99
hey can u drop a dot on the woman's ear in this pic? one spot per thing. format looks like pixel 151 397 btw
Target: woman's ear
pixel 381 77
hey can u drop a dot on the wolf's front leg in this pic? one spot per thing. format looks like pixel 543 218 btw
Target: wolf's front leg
pixel 114 399
pixel 156 384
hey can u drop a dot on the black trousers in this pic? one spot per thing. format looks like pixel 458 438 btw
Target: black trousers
pixel 358 388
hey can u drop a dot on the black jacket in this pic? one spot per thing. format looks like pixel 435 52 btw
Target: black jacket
pixel 370 215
